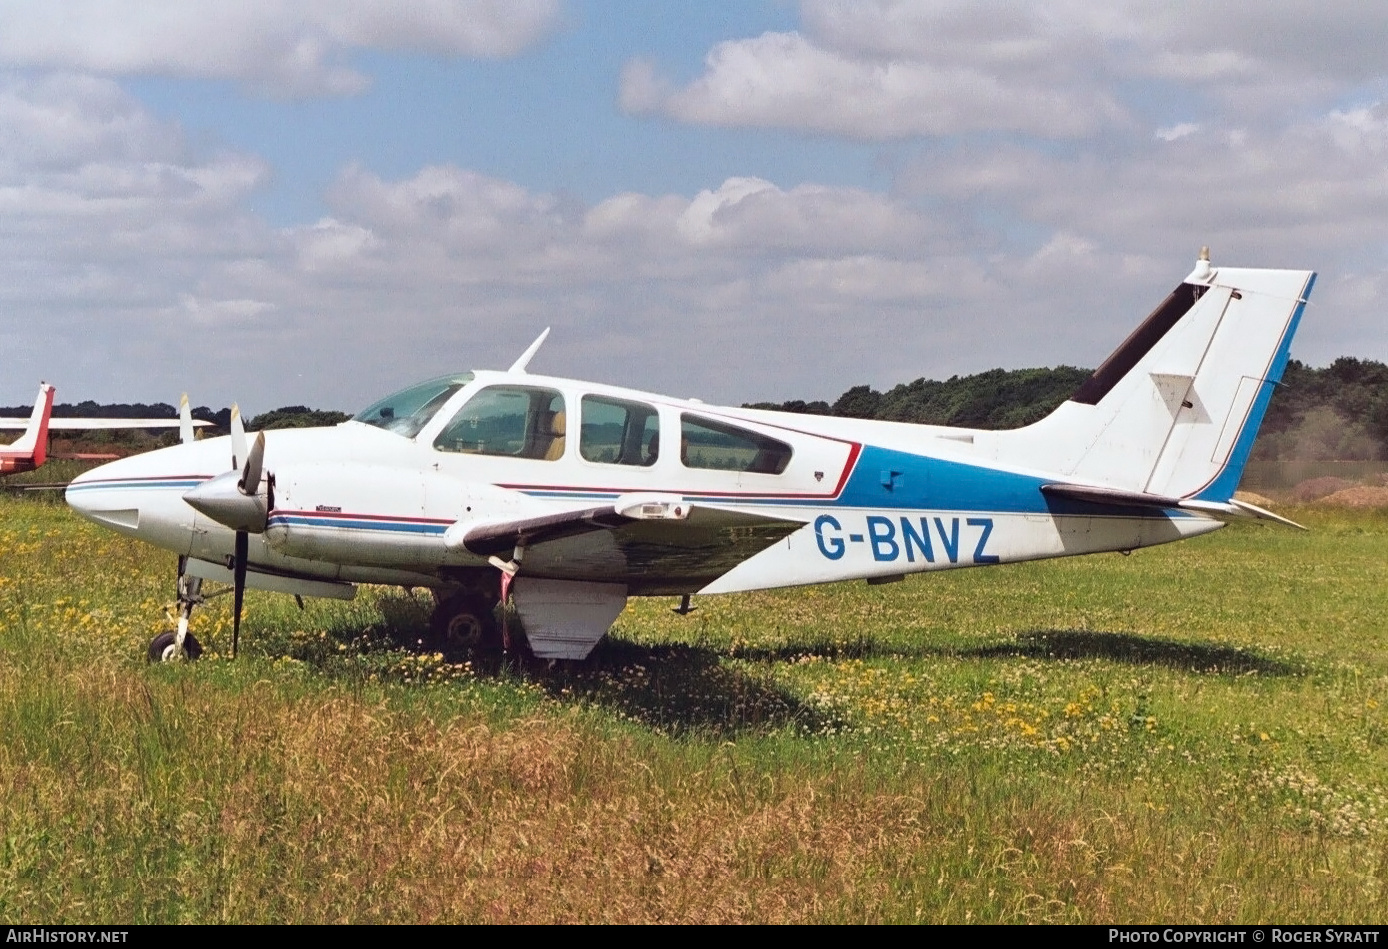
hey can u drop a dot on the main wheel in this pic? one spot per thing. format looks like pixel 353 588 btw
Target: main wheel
pixel 162 648
pixel 463 624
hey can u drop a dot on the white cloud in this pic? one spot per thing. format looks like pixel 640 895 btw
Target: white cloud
pixel 1362 129
pixel 884 69
pixel 1179 130
pixel 1189 40
pixel 286 49
pixel 109 224
pixel 1312 193
pixel 786 80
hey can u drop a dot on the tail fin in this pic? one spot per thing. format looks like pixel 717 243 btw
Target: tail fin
pixel 1174 410
pixel 185 420
pixel 35 437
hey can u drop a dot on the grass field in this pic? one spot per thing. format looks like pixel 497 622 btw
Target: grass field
pixel 1192 733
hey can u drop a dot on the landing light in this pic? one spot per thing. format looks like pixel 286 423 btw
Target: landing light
pixel 652 507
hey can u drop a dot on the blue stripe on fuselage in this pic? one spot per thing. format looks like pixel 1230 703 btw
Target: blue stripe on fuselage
pixel 349 523
pixel 921 483
pixel 143 484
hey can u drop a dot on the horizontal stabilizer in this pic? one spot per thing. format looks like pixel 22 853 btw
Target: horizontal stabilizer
pixel 1253 510
pixel 1115 496
pixel 1121 498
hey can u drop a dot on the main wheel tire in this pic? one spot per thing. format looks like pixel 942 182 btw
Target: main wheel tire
pixel 464 624
pixel 161 647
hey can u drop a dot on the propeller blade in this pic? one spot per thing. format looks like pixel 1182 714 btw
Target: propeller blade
pixel 238 595
pixel 185 420
pixel 238 438
pixel 250 473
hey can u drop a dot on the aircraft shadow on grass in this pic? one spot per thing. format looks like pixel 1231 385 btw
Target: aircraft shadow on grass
pixel 1058 644
pixel 1210 658
pixel 690 689
pixel 683 689
pixel 677 688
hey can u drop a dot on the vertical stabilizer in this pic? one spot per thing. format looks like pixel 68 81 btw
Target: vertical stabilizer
pixel 34 441
pixel 1174 410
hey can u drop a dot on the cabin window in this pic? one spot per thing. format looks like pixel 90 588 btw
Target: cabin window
pixel 409 410
pixel 705 443
pixel 618 432
pixel 514 421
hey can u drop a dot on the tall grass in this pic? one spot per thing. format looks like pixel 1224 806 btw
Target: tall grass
pixel 1193 733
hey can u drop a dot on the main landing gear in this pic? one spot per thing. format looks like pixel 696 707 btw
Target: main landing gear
pixel 464 622
pixel 469 619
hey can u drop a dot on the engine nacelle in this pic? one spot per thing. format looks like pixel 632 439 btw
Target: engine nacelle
pixel 319 514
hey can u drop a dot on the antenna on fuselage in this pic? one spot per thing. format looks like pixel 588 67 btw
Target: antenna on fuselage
pixel 520 364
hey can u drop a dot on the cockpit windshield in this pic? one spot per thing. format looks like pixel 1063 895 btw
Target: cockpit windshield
pixel 409 410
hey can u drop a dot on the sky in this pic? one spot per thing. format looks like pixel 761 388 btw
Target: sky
pixel 320 202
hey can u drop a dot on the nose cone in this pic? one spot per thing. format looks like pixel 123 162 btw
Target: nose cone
pixel 107 495
pixel 136 495
pixel 223 501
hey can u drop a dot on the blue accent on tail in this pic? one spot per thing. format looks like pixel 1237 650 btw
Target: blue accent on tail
pixel 1227 481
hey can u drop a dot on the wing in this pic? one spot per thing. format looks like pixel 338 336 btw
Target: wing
pixel 647 546
pixel 94 424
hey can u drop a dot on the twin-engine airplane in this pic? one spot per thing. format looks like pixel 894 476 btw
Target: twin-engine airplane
pixel 565 498
pixel 30 449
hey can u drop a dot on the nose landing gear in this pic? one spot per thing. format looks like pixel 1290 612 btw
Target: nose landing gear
pixel 177 644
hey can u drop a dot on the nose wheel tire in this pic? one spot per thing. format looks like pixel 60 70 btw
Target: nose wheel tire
pixel 163 648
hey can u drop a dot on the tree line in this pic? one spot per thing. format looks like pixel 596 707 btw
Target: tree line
pixel 289 416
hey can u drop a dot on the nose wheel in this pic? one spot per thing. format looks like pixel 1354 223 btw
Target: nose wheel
pixel 178 644
pixel 166 648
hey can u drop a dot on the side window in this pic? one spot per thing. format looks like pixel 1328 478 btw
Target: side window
pixel 705 443
pixel 517 421
pixel 618 432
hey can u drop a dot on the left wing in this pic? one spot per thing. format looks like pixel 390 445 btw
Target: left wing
pixel 655 544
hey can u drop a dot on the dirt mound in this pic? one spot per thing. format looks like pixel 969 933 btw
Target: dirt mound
pixel 1361 495
pixel 1248 497
pixel 1313 489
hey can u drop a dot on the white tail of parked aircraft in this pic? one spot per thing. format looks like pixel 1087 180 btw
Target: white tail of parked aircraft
pixel 30 450
pixel 564 497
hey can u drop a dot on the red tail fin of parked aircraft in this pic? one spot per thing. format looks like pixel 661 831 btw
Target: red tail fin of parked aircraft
pixel 30 450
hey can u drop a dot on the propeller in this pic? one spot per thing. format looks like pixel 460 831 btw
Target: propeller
pixel 238 585
pixel 185 420
pixel 234 499
pixel 238 437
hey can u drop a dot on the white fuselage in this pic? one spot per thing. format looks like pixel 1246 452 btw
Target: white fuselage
pixel 359 503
